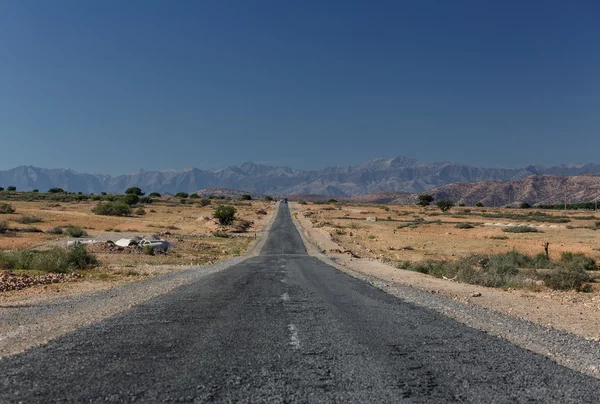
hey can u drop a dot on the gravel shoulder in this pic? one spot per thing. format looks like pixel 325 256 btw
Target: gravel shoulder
pixel 36 316
pixel 567 334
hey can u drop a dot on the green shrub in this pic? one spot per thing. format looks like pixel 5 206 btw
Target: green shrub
pixel 204 202
pixel 140 211
pixel 28 219
pixel 6 208
pixel 3 227
pixel 75 231
pixel 221 234
pixel 464 226
pixel 134 191
pixel 225 214
pixel 194 196
pixel 131 199
pixel 425 200
pixel 445 205
pixel 565 278
pixel 148 250
pixel 578 261
pixel 332 201
pixel 12 188
pixel 520 229
pixel 55 260
pixel 302 202
pixel 146 200
pixel 56 191
pixel 1 189
pixel 154 195
pixel 524 205
pixel 55 230
pixel 112 209
pixel 246 197
pixel 181 195
pixel 479 205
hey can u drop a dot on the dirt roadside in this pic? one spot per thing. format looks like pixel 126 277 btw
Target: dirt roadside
pixel 36 315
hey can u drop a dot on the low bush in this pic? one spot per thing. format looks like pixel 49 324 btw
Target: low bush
pixel 56 260
pixel 28 219
pixel 225 214
pixel 112 209
pixel 55 230
pixel 140 211
pixel 3 227
pixel 148 250
pixel 464 226
pixel 520 229
pixel 75 231
pixel 565 278
pixel 221 234
pixel 6 208
pixel 511 269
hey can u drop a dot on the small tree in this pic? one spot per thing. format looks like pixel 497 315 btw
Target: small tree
pixel 479 205
pixel 246 197
pixel 525 205
pixel 268 198
pixel 11 188
pixel 35 190
pixel 445 205
pixel 1 189
pixel 56 191
pixel 131 199
pixel 225 214
pixel 154 195
pixel 134 191
pixel 332 201
pixel 194 196
pixel 181 195
pixel 204 202
pixel 425 200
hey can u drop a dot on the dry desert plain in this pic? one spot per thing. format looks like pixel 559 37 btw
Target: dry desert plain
pixel 404 235
pixel 189 228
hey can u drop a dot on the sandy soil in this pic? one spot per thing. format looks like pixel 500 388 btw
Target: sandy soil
pixel 574 312
pixel 187 227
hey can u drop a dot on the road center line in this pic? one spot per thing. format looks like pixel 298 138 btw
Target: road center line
pixel 294 340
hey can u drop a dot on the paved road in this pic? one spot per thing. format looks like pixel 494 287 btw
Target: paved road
pixel 285 327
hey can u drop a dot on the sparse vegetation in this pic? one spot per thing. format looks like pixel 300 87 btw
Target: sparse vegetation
pixel 182 195
pixel 148 250
pixel 140 211
pixel 464 225
pixel 55 230
pixel 28 219
pixel 131 199
pixel 225 214
pixel 154 195
pixel 520 229
pixel 445 205
pixel 12 188
pixel 524 205
pixel 6 208
pixel 56 191
pixel 425 200
pixel 134 191
pixel 221 234
pixel 112 209
pixel 74 231
pixel 55 260
pixel 510 269
pixel 479 205
pixel 246 197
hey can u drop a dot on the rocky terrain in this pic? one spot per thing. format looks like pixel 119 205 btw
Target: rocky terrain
pixel 399 174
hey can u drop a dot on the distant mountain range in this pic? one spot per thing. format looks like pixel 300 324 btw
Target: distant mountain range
pixel 400 174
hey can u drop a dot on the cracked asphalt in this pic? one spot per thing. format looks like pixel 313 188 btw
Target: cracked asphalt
pixel 285 327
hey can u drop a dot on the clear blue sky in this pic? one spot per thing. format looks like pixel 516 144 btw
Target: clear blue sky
pixel 110 86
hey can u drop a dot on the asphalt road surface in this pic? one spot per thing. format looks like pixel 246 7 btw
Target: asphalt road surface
pixel 285 327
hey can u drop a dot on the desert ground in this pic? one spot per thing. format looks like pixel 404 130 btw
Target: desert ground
pixel 403 235
pixel 195 237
